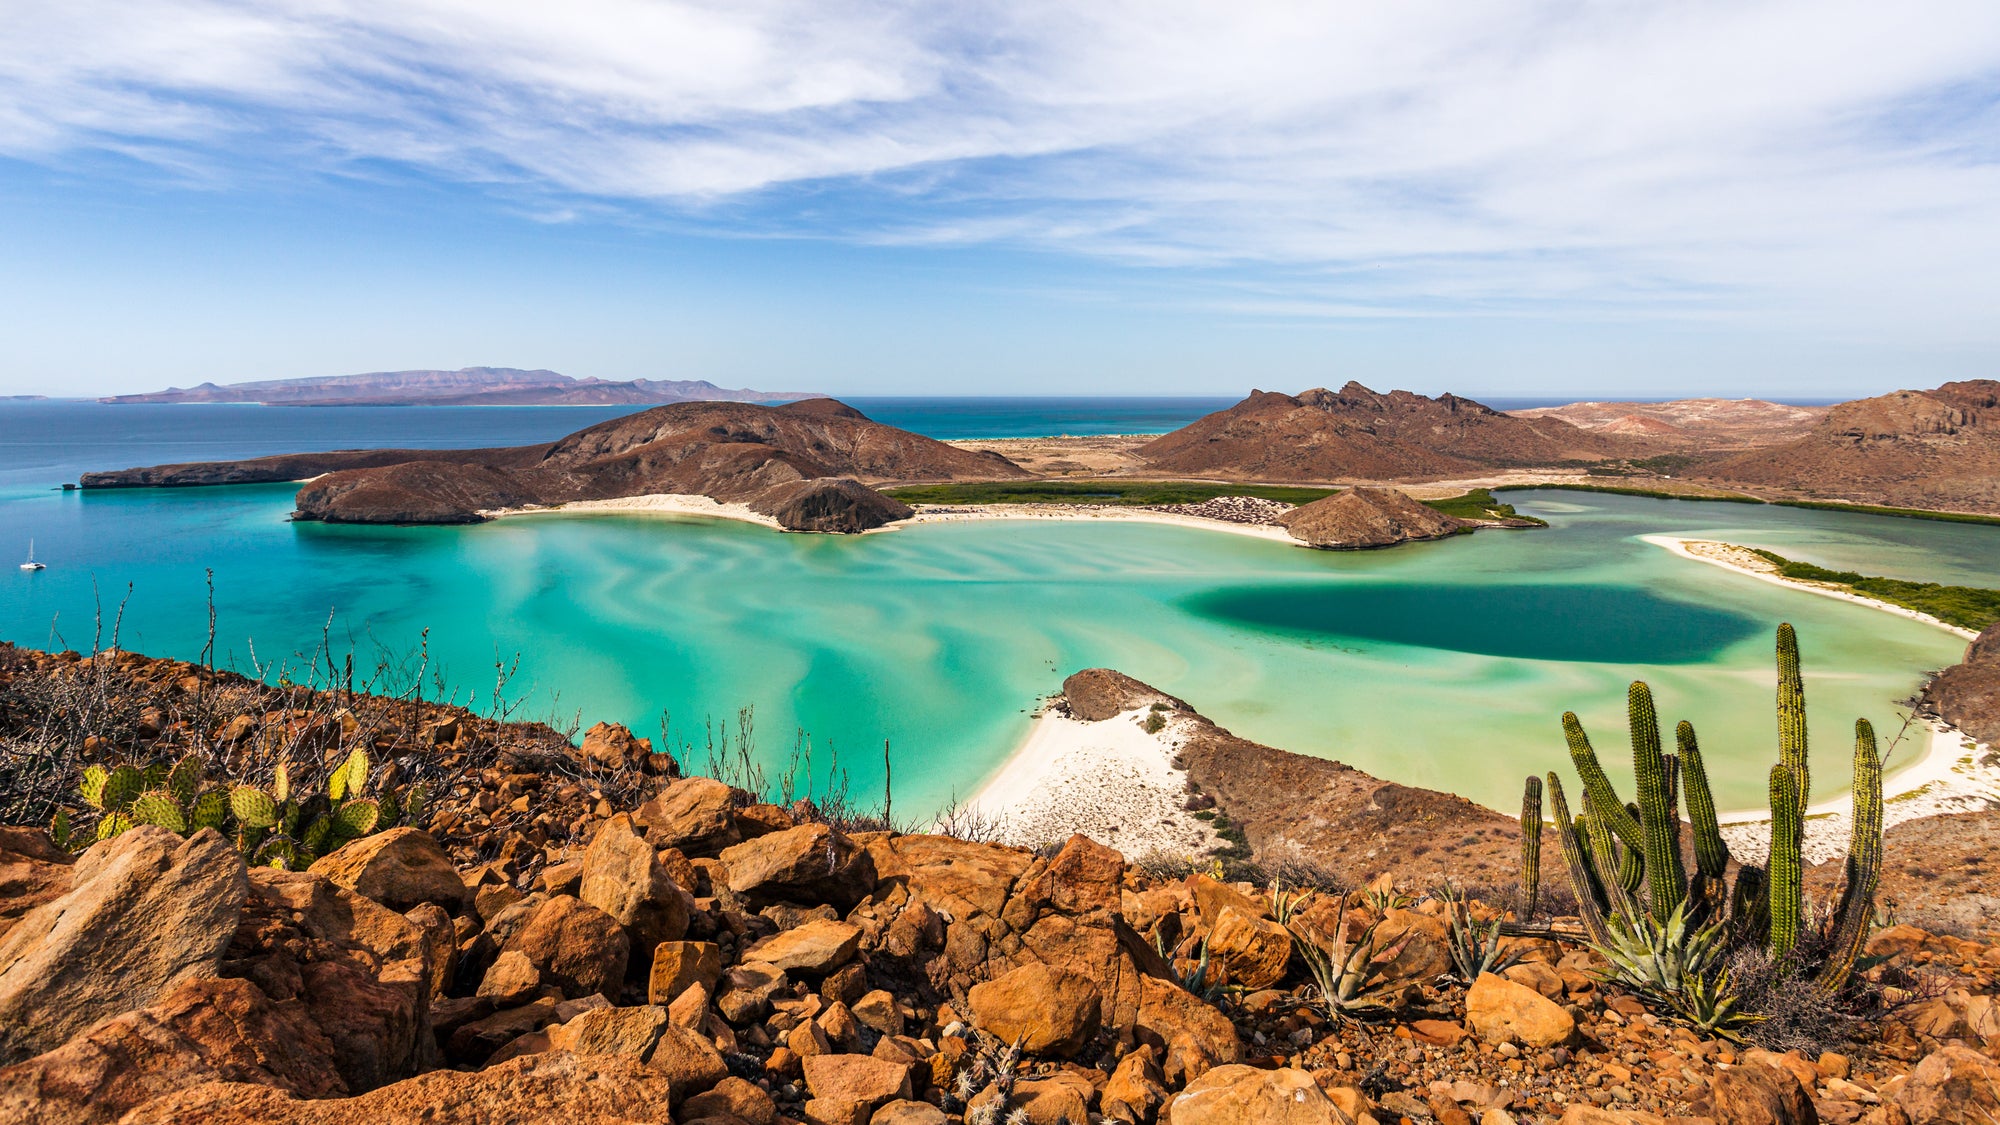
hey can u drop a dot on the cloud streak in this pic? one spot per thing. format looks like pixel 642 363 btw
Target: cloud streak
pixel 1813 162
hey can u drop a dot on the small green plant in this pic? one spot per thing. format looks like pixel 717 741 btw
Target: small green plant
pixel 1474 945
pixel 276 828
pixel 1349 977
pixel 1154 723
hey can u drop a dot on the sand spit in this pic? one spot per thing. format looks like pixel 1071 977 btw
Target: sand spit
pixel 1743 560
pixel 659 503
pixel 1111 780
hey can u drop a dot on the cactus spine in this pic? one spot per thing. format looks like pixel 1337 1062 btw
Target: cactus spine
pixel 1666 879
pixel 1531 846
pixel 1787 885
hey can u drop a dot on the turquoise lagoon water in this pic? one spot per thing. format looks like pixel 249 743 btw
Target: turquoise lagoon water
pixel 1443 664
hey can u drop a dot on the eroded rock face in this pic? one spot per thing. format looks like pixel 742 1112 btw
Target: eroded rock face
pixel 32 872
pixel 400 868
pixel 145 911
pixel 1049 1010
pixel 550 1086
pixel 1754 1094
pixel 1501 1011
pixel 203 1031
pixel 1192 1036
pixel 818 947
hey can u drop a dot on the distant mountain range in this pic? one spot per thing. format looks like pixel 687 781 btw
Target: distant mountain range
pixel 470 386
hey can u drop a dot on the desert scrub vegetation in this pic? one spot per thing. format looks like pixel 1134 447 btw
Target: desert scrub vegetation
pixel 1968 607
pixel 1479 504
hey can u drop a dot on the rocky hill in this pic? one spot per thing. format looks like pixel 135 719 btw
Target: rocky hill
pixel 1692 424
pixel 1367 517
pixel 1921 449
pixel 1357 434
pixel 470 386
pixel 578 932
pixel 807 464
pixel 1967 695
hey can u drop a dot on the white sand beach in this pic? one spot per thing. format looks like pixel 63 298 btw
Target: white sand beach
pixel 681 504
pixel 658 503
pixel 1110 780
pixel 1744 561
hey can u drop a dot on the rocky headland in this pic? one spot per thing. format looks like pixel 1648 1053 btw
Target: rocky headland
pixel 808 465
pixel 1368 517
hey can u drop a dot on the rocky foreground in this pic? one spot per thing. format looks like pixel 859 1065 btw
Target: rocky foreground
pixel 578 932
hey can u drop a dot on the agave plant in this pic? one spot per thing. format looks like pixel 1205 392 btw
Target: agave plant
pixel 1349 978
pixel 1474 945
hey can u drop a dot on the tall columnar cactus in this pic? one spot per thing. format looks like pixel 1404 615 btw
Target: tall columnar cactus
pixel 1711 853
pixel 1531 846
pixel 1666 879
pixel 1576 860
pixel 1864 861
pixel 1786 864
pixel 1792 714
pixel 1597 787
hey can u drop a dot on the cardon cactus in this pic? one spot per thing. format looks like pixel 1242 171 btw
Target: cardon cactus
pixel 1531 846
pixel 1626 862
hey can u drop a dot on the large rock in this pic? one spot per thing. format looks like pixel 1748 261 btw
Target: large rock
pixel 549 1086
pixel 576 946
pixel 1048 1010
pixel 145 911
pixel 678 965
pixel 202 1031
pixel 856 1079
pixel 810 863
pixel 1244 1095
pixel 695 815
pixel 1191 1036
pixel 623 878
pixel 1500 1011
pixel 399 868
pixel 32 872
pixel 1756 1094
pixel 816 948
pixel 1136 1090
pixel 1367 517
pixel 611 746
pixel 1254 950
pixel 1954 1086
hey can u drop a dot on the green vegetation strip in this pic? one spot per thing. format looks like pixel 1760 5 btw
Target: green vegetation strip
pixel 1968 607
pixel 1654 493
pixel 1479 504
pixel 1877 510
pixel 1131 493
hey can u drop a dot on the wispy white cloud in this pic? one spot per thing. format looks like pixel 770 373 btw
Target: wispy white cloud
pixel 1813 160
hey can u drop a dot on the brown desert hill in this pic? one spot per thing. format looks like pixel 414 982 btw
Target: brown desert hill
pixel 1367 517
pixel 1357 433
pixel 805 463
pixel 1690 424
pixel 1920 449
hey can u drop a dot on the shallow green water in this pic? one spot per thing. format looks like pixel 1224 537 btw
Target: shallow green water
pixel 1443 664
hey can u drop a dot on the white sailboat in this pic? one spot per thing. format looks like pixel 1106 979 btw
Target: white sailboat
pixel 31 564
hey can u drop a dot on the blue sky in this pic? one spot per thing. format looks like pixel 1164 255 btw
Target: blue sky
pixel 1505 198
